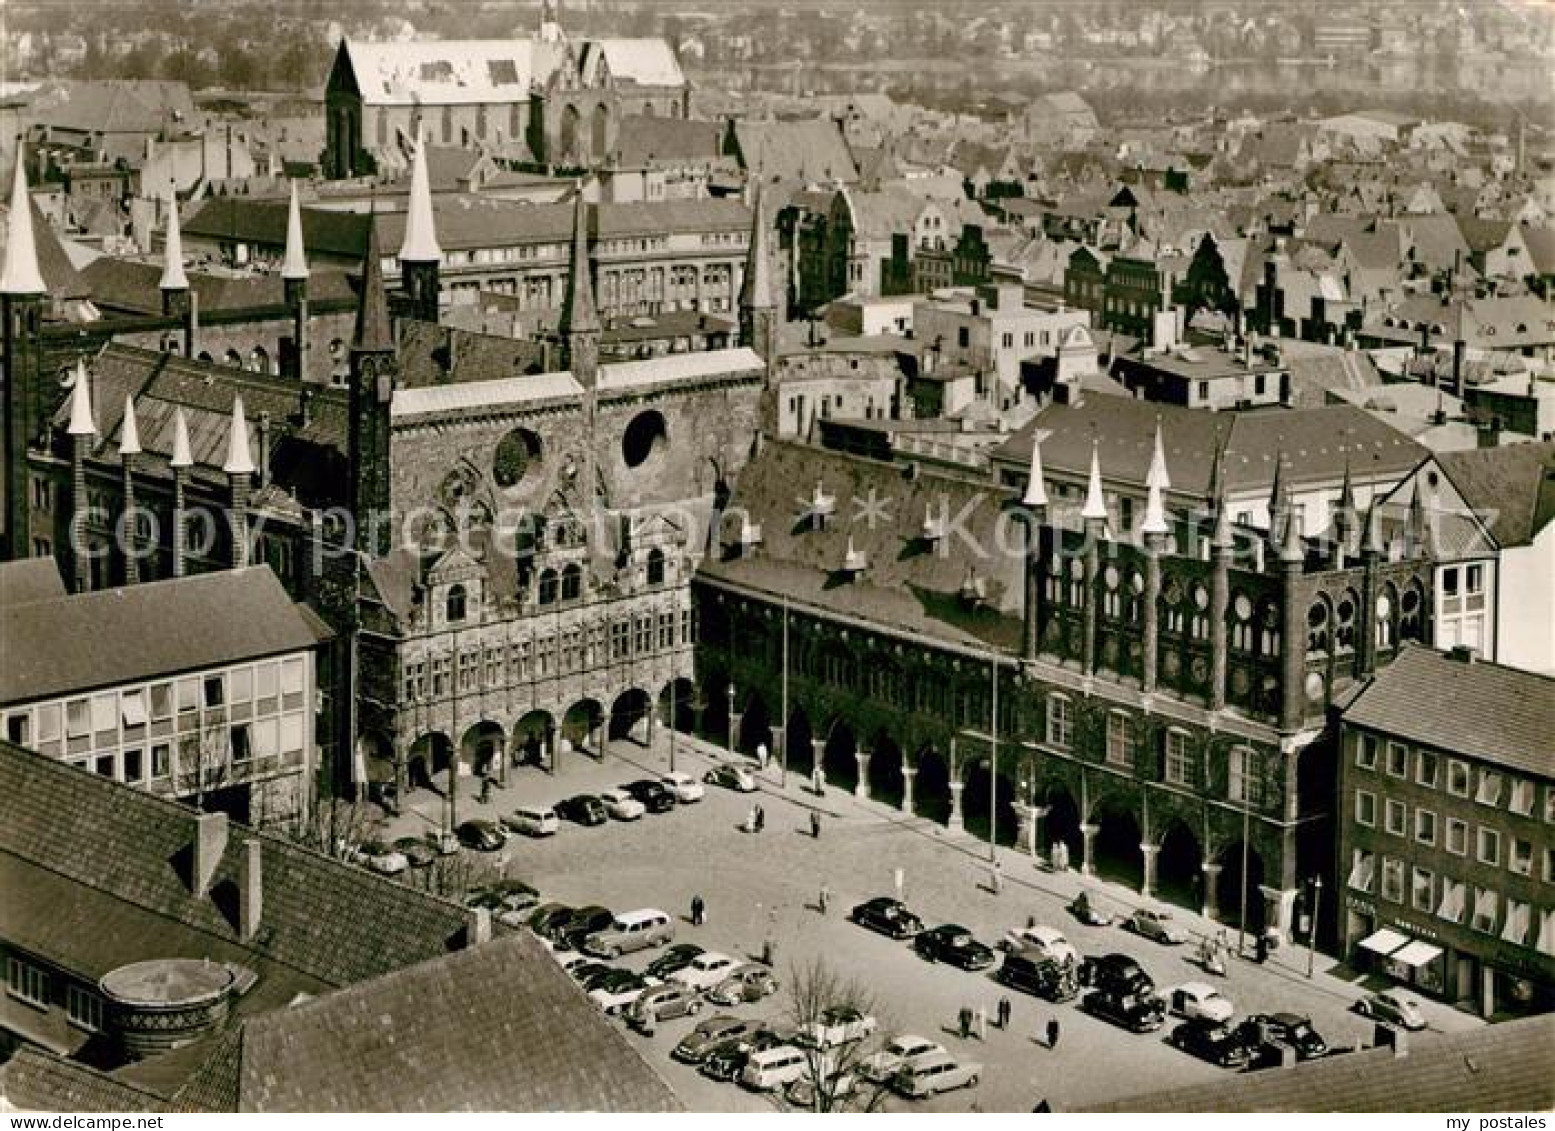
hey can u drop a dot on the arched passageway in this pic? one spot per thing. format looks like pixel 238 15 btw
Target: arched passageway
pixel 1118 838
pixel 931 791
pixel 1179 868
pixel 885 769
pixel 629 716
pixel 980 793
pixel 1230 887
pixel 841 765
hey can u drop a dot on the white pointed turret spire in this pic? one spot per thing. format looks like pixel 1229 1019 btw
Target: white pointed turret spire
pixel 240 460
pixel 81 422
pixel 20 275
pixel 1157 475
pixel 1155 512
pixel 173 277
pixel 420 244
pixel 1036 488
pixel 129 430
pixel 1095 501
pixel 181 455
pixel 295 265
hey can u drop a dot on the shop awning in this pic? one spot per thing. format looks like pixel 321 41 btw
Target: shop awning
pixel 1416 953
pixel 1384 942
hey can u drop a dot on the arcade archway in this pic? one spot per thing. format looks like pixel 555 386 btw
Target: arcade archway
pixel 1118 838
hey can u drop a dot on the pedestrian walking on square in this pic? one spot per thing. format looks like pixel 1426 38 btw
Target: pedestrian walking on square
pixel 818 781
pixel 823 901
pixel 980 1023
pixel 996 877
pixel 762 755
pixel 1052 1033
pixel 1004 1013
pixel 751 819
pixel 965 1019
pixel 485 789
pixel 761 818
pixel 698 911
pixel 815 825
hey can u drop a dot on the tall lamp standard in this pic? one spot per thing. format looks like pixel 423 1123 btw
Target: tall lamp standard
pixel 730 692
pixel 1317 895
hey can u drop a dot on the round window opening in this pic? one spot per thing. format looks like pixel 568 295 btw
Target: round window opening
pixel 645 437
pixel 516 458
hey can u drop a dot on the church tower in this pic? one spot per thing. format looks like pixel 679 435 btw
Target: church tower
pixel 374 368
pixel 420 256
pixel 294 281
pixel 21 307
pixel 758 313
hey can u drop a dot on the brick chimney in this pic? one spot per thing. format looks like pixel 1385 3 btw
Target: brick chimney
pixel 478 931
pixel 251 889
pixel 210 844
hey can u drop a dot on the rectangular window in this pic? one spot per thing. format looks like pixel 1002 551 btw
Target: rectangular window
pixel 1365 808
pixel 1518 917
pixel 1398 759
pixel 1425 826
pixel 1425 768
pixel 84 1008
pixel 265 676
pixel 161 760
pixel 1521 799
pixel 215 690
pixel 1457 837
pixel 1549 794
pixel 1421 887
pixel 1394 817
pixel 188 695
pixel 1181 766
pixel 161 701
pixel 1059 723
pixel 78 718
pixel 132 708
pixel 134 765
pixel 27 982
pixel 1521 858
pixel 291 735
pixel 106 765
pixel 1243 782
pixel 1489 846
pixel 1457 778
pixel 267 738
pixel 1486 904
pixel 242 739
pixel 48 722
pixel 1120 739
pixel 1549 864
pixel 1392 880
pixel 1363 870
pixel 1366 751
pixel 1489 792
pixel 240 683
pixel 1454 898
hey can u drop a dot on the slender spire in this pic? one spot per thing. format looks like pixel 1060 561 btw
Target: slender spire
pixel 1095 502
pixel 129 430
pixel 81 422
pixel 1157 475
pixel 173 277
pixel 295 265
pixel 578 313
pixel 181 455
pixel 374 332
pixel 756 290
pixel 1155 512
pixel 20 275
pixel 240 459
pixel 420 244
pixel 1036 487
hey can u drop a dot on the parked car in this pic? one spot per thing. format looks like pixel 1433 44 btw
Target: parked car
pixel 705 971
pixel 598 974
pixel 800 1092
pixel 1158 924
pixel 584 809
pixel 580 925
pixel 664 1002
pixel 621 805
pixel 954 944
pixel 677 957
pixel 731 775
pixel 939 1072
pixel 572 963
pixel 585 970
pixel 695 1045
pixel 746 983
pixel 1393 1006
pixel 839 1025
pixel 1292 1029
pixel 547 917
pixel 766 1069
pixel 443 842
pixel 652 795
pixel 899 1052
pixel 888 916
pixel 1230 1046
pixel 687 789
pixel 1048 941
pixel 481 835
pixel 417 850
pixel 1116 972
pixel 1032 972
pixel 533 820
pixel 1139 1013
pixel 383 859
pixel 511 902
pixel 728 1060
pixel 616 994
pixel 1195 1000
pixel 629 931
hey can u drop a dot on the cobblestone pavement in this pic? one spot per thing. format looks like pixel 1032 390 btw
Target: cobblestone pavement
pixel 763 886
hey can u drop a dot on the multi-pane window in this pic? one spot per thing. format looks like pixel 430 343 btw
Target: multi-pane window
pixel 1426 768
pixel 1489 846
pixel 1457 837
pixel 1425 826
pixel 1489 792
pixel 1365 808
pixel 1243 782
pixel 27 981
pixel 1519 915
pixel 1454 900
pixel 1521 799
pixel 84 1008
pixel 1421 887
pixel 1392 880
pixel 1486 905
pixel 1366 751
pixel 1398 759
pixel 1060 723
pixel 1363 870
pixel 1520 859
pixel 1181 764
pixel 1457 778
pixel 1394 818
pixel 1120 739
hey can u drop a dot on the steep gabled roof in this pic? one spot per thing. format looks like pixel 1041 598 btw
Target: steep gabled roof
pixel 35 1080
pixel 1512 487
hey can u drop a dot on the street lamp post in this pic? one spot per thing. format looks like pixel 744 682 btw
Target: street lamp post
pixel 731 718
pixel 674 718
pixel 1317 895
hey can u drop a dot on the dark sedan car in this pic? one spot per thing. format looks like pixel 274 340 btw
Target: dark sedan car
pixel 548 918
pixel 715 1033
pixel 1294 1030
pixel 1139 1013
pixel 580 925
pixel 888 916
pixel 655 796
pixel 584 809
pixel 953 944
pixel 1230 1046
pixel 727 1061
pixel 593 974
pixel 1116 972
pixel 416 850
pixel 483 836
pixel 677 957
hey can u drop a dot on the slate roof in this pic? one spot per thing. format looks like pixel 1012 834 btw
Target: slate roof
pixel 1504 1067
pixel 35 1080
pixel 812 150
pixel 29 579
pixel 114 636
pixel 499 1027
pixel 114 105
pixel 131 285
pixel 655 138
pixel 1512 486
pixel 1500 714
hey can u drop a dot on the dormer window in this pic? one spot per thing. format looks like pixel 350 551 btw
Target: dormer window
pixel 655 567
pixel 455 606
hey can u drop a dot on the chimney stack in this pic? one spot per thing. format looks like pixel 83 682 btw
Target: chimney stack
pixel 478 932
pixel 251 889
pixel 210 844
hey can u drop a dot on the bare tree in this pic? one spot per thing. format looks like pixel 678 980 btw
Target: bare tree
pixel 457 875
pixel 834 1081
pixel 335 826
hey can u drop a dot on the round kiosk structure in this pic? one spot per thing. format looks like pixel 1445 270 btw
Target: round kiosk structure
pixel 165 1003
